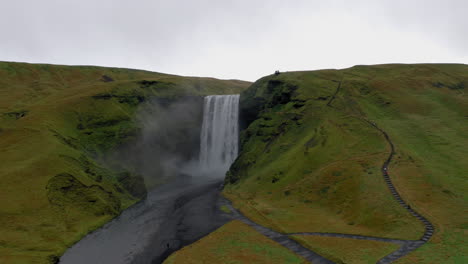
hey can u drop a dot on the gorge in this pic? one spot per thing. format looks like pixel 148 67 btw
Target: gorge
pixel 178 212
pixel 359 165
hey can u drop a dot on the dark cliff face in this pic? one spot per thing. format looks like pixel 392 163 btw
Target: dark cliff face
pixel 250 104
pixel 267 92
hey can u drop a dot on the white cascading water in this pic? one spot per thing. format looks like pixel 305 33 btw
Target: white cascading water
pixel 220 134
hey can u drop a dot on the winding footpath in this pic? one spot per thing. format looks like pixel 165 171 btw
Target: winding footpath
pixel 406 246
pixel 410 245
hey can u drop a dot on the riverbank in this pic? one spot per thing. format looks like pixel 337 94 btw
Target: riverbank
pixel 174 215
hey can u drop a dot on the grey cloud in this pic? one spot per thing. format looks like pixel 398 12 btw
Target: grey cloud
pixel 233 39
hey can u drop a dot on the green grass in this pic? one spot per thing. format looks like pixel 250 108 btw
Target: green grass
pixel 234 242
pixel 55 123
pixel 347 250
pixel 304 166
pixel 307 167
pixel 225 209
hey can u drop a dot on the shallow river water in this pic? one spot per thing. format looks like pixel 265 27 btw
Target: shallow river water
pixel 173 215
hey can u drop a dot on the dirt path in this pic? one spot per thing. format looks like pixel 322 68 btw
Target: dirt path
pixel 334 95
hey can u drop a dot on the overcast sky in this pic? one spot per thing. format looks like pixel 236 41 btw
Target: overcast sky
pixel 237 39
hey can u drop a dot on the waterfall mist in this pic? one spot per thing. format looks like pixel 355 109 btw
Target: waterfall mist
pixel 167 142
pixel 192 136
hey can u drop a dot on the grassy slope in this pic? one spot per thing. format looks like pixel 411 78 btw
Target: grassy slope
pixel 305 166
pixel 346 250
pixel 54 120
pixel 234 242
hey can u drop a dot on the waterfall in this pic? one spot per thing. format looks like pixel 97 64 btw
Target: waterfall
pixel 220 134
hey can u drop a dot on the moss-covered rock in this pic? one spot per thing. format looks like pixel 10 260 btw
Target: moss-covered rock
pixel 65 191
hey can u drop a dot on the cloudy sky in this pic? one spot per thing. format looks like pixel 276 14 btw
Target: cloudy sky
pixel 236 39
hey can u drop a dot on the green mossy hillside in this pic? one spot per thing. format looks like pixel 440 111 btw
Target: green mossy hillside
pixel 310 161
pixel 56 123
pixel 234 242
